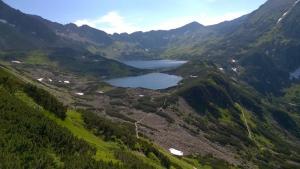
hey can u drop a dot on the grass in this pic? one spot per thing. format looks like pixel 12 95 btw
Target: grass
pixel 105 150
pixel 292 95
pixel 248 116
pixel 57 161
pixel 261 141
pixel 225 116
pixel 264 142
pixel 74 123
pixel 183 162
pixel 38 58
pixel 102 86
pixel 152 162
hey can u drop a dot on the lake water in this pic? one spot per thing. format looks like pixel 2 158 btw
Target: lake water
pixel 155 64
pixel 154 81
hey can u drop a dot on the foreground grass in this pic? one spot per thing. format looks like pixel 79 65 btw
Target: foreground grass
pixel 74 123
pixel 183 162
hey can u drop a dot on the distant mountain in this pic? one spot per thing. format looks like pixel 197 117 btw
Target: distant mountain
pixel 159 39
pixel 83 33
pixel 264 45
pixel 22 34
pixel 23 31
pixel 19 30
pixel 236 96
pixel 275 51
pixel 265 36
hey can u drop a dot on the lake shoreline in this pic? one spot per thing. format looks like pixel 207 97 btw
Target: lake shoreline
pixel 153 81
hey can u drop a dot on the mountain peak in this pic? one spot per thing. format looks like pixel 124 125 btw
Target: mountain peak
pixel 2 4
pixel 194 25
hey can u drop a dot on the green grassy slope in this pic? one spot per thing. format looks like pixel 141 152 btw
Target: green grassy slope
pixel 34 137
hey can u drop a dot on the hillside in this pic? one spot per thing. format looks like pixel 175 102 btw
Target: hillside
pixel 261 47
pixel 237 105
pixel 231 112
pixel 40 134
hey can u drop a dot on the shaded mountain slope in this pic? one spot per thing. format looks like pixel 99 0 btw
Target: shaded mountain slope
pixel 76 61
pixel 261 48
pixel 234 115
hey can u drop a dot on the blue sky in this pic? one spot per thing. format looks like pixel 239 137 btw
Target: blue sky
pixel 136 15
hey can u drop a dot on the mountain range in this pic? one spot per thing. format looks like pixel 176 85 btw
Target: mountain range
pixel 236 107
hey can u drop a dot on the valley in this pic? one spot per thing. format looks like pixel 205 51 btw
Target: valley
pixel 224 96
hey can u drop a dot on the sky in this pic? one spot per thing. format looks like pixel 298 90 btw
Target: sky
pixel 118 16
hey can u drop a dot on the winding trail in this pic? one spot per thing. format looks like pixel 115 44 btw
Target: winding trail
pixel 137 127
pixel 139 121
pixel 247 125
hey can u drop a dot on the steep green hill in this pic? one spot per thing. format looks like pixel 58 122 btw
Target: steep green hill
pixel 38 132
pixel 237 93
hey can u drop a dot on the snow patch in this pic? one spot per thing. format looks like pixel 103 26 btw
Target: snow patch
pixel 79 94
pixel 221 69
pixel 280 19
pixel 176 152
pixel 233 61
pixel 3 21
pixel 16 61
pixel 193 76
pixel 141 95
pixel 67 82
pixel 40 79
pixel 295 74
pixel 234 69
pixel 100 92
pixel 50 80
pixel 287 12
pixel 6 22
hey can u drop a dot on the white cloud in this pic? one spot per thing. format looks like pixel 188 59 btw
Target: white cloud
pixel 113 22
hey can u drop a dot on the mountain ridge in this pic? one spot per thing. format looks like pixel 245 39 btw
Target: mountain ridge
pixel 237 101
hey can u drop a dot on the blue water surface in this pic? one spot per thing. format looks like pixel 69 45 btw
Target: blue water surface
pixel 154 64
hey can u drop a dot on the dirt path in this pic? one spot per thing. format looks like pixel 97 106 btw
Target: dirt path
pixel 137 127
pixel 247 125
pixel 139 121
